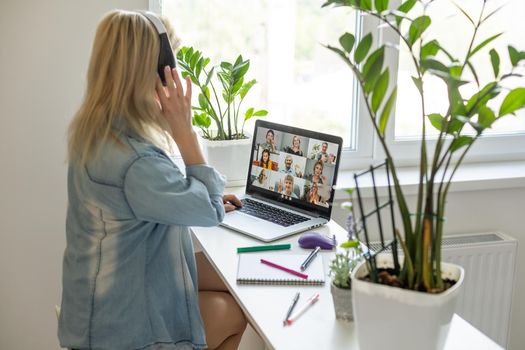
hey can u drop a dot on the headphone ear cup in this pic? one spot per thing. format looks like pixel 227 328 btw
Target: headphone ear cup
pixel 166 57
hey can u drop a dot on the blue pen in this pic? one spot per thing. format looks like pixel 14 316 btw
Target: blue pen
pixel 290 309
pixel 310 258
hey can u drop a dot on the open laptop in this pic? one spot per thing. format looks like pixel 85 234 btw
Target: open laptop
pixel 290 182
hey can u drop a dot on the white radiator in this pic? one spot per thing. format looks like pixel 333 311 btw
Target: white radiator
pixel 489 263
pixel 489 260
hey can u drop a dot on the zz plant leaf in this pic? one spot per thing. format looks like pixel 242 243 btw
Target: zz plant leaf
pixel 513 101
pixel 347 41
pixel 362 48
pixel 417 28
pixel 436 120
pixel 385 114
pixel 380 90
pixel 494 60
pixel 404 7
pixel 381 5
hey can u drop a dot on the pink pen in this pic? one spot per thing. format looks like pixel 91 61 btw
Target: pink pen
pixel 293 272
pixel 313 299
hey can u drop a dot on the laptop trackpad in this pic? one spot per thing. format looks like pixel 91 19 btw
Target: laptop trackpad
pixel 236 219
pixel 253 226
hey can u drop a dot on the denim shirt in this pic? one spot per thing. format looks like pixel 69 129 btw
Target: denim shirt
pixel 129 274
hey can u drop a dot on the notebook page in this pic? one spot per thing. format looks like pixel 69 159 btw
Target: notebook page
pixel 252 271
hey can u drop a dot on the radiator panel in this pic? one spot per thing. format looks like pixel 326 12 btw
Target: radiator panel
pixel 486 299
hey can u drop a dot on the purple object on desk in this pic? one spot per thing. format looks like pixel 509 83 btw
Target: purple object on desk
pixel 310 240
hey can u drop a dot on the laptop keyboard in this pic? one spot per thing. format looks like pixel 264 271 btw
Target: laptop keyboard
pixel 269 213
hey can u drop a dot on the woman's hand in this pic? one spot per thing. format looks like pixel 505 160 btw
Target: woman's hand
pixel 176 108
pixel 175 104
pixel 231 202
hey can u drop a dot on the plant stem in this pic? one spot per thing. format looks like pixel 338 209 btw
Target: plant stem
pixel 409 235
pixel 405 214
pixel 236 119
pixel 229 115
pixel 220 126
pixel 476 27
pixel 441 211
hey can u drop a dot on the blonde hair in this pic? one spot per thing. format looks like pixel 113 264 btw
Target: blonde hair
pixel 120 87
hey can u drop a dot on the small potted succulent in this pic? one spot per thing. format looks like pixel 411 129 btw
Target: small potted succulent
pixel 218 113
pixel 341 267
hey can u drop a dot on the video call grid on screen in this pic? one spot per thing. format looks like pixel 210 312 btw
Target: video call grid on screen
pixel 294 166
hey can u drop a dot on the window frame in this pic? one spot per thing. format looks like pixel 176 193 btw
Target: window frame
pixel 365 148
pixel 488 148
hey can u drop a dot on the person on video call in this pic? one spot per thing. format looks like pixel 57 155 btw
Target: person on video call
pixel 295 148
pixel 317 175
pixel 323 155
pixel 298 170
pixel 129 269
pixel 270 141
pixel 288 161
pixel 331 158
pixel 287 188
pixel 260 181
pixel 313 195
pixel 265 161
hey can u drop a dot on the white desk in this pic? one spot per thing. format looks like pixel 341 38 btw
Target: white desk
pixel 266 306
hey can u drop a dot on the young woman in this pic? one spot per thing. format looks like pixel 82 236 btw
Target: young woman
pixel 317 175
pixel 270 141
pixel 265 161
pixel 296 147
pixel 313 195
pixel 129 269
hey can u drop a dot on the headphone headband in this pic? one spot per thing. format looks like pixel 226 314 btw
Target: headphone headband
pixel 166 57
pixel 154 20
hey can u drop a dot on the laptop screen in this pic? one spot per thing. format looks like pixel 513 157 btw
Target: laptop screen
pixel 294 166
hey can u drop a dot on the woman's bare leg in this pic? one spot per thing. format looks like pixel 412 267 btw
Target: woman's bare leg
pixel 209 280
pixel 224 321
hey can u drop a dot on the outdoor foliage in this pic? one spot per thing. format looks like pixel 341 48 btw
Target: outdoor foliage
pixel 421 242
pixel 224 111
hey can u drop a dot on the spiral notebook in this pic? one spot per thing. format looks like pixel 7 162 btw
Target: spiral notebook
pixel 250 270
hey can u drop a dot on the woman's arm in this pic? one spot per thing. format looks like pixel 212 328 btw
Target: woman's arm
pixel 157 191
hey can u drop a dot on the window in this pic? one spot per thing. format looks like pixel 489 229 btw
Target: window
pixel 303 84
pixel 505 134
pixel 300 82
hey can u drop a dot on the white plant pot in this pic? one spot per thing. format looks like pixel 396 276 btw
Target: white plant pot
pixel 230 158
pixel 394 318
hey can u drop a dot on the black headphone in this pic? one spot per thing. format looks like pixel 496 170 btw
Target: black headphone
pixel 166 57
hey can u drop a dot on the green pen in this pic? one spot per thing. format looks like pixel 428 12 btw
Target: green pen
pixel 263 247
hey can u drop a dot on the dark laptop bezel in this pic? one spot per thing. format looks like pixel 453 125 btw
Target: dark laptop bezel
pixel 313 209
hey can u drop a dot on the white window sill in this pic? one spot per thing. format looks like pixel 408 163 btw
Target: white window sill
pixel 469 177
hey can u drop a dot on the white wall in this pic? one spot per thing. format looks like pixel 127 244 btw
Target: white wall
pixel 44 49
pixel 484 211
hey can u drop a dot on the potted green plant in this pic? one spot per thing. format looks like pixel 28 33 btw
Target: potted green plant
pixel 218 113
pixel 424 295
pixel 341 267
